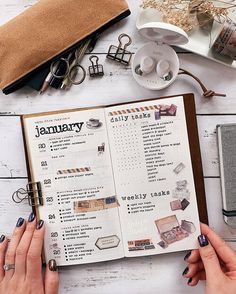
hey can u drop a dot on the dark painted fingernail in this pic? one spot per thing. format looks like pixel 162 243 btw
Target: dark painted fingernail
pixel 202 239
pixel 20 222
pixel 31 217
pixel 185 271
pixel 52 265
pixel 190 280
pixel 2 238
pixel 187 255
pixel 40 224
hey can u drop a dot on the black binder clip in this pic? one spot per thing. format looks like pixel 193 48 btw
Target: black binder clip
pixel 33 193
pixel 95 70
pixel 120 54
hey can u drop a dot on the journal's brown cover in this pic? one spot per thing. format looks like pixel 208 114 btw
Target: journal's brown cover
pixel 47 29
pixel 190 113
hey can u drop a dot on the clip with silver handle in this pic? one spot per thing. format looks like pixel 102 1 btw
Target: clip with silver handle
pixel 33 193
pixel 95 70
pixel 119 53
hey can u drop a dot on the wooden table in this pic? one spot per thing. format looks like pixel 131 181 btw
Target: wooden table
pixel 138 275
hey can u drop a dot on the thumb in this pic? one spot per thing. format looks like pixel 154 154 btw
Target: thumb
pixel 209 259
pixel 51 278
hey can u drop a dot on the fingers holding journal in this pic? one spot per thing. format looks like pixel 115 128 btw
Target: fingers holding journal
pixel 209 258
pixel 214 262
pixel 51 278
pixel 34 262
pixel 225 253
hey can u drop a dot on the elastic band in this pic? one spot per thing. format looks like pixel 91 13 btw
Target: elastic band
pixel 230 213
pixel 206 93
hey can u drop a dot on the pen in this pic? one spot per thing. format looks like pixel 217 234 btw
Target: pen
pixel 36 80
pixel 46 83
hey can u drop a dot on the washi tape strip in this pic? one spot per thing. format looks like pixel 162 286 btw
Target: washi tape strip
pixel 95 204
pixel 168 109
pixel 137 245
pixel 73 170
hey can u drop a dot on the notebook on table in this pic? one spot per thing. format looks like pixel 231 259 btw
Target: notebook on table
pixel 227 161
pixel 117 181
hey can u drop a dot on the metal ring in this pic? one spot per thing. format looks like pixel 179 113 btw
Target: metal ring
pixel 123 36
pixel 8 267
pixel 67 69
pixel 16 195
pixel 94 57
pixel 71 71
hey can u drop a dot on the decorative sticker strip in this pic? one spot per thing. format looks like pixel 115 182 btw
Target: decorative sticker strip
pixel 165 110
pixel 74 170
pixel 137 245
pixel 95 204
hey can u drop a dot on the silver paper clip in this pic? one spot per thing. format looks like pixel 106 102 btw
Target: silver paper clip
pixel 32 189
pixel 120 54
pixel 95 70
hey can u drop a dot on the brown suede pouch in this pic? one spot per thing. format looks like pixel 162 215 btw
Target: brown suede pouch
pixel 47 30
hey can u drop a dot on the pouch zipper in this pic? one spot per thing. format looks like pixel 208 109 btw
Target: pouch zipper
pixel 22 81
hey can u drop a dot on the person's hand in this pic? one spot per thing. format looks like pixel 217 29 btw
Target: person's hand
pixel 214 262
pixel 22 256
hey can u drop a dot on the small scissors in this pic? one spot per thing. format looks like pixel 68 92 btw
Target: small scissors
pixel 72 67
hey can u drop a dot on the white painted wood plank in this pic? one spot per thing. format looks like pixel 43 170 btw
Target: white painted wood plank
pixel 118 85
pixel 12 157
pixel 11 8
pixel 9 210
pixel 151 275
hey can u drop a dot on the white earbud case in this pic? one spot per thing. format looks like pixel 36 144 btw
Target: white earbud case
pixel 161 35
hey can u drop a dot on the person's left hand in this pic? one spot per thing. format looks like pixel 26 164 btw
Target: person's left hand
pixel 22 255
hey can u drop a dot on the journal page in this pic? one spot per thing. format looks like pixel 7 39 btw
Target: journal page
pixel 69 155
pixel 153 176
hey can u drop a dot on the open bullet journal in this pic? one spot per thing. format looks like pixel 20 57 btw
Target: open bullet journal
pixel 117 181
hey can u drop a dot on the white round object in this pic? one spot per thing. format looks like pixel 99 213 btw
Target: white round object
pixel 147 64
pixel 162 68
pixel 163 33
pixel 157 52
pixel 148 15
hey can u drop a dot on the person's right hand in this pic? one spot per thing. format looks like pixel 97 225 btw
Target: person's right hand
pixel 214 262
pixel 23 257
